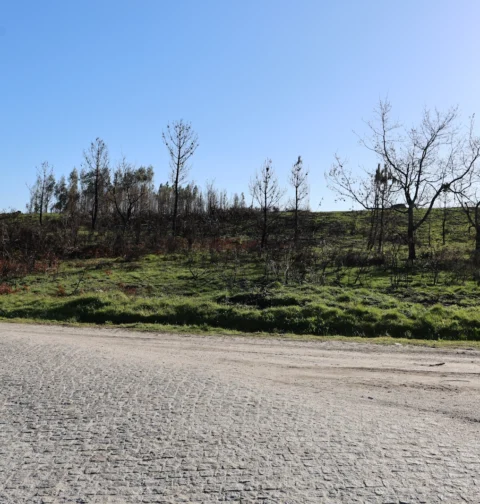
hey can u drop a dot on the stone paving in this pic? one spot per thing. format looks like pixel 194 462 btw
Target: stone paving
pixel 87 425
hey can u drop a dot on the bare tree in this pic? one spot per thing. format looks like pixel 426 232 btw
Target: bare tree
pixel 42 191
pixel 467 193
pixel 299 182
pixel 423 161
pixel 96 175
pixel 267 194
pixel 212 197
pixel 470 204
pixel 382 200
pixel 445 203
pixel 181 142
pixel 372 191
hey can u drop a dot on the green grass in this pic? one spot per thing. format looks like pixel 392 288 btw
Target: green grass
pixel 219 293
pixel 161 290
pixel 204 331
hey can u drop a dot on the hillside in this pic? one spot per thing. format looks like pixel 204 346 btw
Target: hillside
pixel 214 276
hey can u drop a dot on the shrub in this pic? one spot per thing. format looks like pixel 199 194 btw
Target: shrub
pixel 61 291
pixel 6 289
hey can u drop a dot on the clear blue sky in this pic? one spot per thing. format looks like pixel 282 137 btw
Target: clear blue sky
pixel 256 78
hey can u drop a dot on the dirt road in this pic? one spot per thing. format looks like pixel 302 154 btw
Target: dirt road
pixel 108 416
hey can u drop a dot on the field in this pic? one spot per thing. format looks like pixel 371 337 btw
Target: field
pixel 337 288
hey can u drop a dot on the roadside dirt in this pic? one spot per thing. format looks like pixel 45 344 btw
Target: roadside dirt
pixel 446 381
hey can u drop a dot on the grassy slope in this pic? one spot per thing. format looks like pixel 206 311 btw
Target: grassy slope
pixel 166 290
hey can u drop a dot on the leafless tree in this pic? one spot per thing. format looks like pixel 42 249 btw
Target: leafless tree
pixel 181 142
pixel 467 194
pixel 42 191
pixel 445 203
pixel 164 200
pixel 372 191
pixel 238 201
pixel 471 206
pixel 96 175
pixel 423 161
pixel 299 182
pixel 382 183
pixel 267 194
pixel 212 197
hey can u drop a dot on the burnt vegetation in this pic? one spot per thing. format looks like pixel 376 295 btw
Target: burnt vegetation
pixel 106 245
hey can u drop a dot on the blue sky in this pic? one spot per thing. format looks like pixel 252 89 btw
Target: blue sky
pixel 256 78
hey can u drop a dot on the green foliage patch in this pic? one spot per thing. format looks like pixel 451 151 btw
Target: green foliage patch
pixel 337 287
pixel 159 291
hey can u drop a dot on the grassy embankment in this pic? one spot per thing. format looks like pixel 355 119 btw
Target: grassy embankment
pixel 218 293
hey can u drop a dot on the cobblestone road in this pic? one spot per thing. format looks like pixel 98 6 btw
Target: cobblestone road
pixel 95 417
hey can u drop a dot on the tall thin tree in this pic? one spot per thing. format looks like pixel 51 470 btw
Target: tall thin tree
pixel 267 193
pixel 299 182
pixel 42 191
pixel 96 175
pixel 181 142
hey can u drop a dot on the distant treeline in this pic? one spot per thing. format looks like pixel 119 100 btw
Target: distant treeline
pixel 118 208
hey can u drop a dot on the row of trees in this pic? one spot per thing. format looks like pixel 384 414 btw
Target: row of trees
pixel 128 192
pixel 432 164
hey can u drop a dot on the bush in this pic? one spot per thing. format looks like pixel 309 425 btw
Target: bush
pixel 6 289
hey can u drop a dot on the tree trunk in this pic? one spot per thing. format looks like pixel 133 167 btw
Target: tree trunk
pixel 264 229
pixel 175 210
pixel 382 227
pixel 265 217
pixel 41 211
pixel 411 235
pixel 444 226
pixel 477 240
pixel 373 230
pixel 295 238
pixel 95 200
pixel 175 202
